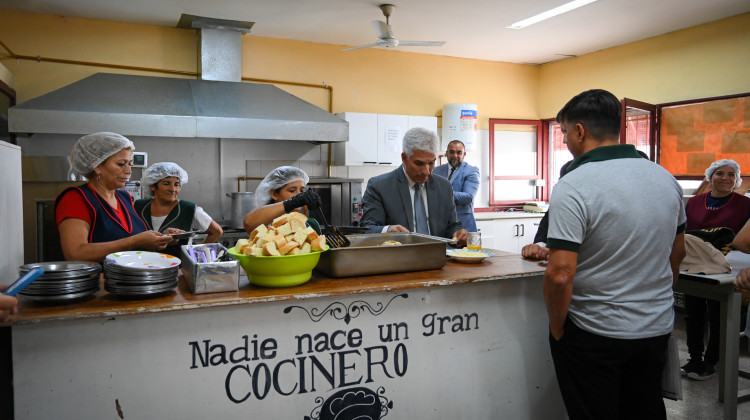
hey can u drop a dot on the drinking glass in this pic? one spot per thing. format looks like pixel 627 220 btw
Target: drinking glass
pixel 474 240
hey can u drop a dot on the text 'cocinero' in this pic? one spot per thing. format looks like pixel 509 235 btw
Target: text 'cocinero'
pixel 324 361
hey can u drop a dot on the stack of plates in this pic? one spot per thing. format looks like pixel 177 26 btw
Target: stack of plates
pixel 140 273
pixel 62 280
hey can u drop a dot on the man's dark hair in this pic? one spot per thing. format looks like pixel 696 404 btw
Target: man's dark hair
pixel 456 141
pixel 597 110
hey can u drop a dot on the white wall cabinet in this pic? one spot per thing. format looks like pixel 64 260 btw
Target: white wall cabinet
pixel 364 129
pixel 423 121
pixel 391 130
pixel 375 139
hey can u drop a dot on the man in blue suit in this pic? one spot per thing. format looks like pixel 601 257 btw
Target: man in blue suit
pixel 465 181
pixel 410 198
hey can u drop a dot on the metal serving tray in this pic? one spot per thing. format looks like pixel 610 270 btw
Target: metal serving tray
pixel 366 256
pixel 217 276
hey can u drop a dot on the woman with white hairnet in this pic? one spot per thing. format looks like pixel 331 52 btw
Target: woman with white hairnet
pixel 165 210
pixel 97 219
pixel 281 191
pixel 721 207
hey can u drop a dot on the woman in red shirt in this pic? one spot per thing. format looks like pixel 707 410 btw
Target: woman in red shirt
pixel 97 219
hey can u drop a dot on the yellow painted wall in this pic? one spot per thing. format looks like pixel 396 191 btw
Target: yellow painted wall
pixel 87 40
pixel 393 82
pixel 699 62
pixel 370 80
pixel 708 60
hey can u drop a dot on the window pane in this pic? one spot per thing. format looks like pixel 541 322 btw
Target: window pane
pixel 638 129
pixel 515 189
pixel 515 150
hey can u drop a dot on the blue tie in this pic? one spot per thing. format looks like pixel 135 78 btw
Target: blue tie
pixel 420 215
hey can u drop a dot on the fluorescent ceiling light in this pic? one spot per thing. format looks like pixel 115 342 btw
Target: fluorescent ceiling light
pixel 550 13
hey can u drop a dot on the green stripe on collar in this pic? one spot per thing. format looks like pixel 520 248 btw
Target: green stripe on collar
pixel 617 151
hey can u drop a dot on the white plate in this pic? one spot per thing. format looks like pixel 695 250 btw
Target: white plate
pixel 143 260
pixel 479 255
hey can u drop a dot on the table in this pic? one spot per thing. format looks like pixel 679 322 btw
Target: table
pixel 720 287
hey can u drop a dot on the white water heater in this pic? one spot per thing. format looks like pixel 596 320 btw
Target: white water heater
pixel 460 123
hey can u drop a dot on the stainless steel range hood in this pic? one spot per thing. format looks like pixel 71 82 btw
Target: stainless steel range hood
pixel 168 107
pixel 222 107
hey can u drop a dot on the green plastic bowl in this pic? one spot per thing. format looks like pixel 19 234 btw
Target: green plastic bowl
pixel 278 271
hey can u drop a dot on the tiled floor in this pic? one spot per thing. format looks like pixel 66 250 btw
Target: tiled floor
pixel 701 399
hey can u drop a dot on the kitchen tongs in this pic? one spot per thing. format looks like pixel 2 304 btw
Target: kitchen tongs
pixel 334 237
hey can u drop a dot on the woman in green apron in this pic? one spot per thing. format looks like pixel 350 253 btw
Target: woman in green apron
pixel 165 210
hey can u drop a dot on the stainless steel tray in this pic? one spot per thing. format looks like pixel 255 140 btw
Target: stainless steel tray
pixel 366 256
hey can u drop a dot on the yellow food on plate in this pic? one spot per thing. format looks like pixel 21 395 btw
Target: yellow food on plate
pixel 286 235
pixel 469 254
pixel 390 243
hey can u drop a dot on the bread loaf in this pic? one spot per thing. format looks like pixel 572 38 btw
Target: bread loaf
pixel 318 244
pixel 286 235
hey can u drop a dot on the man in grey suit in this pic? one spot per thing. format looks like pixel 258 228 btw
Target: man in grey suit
pixel 465 181
pixel 395 202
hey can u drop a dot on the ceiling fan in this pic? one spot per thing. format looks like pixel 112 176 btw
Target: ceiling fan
pixel 385 34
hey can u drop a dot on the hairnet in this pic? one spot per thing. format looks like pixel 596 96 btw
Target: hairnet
pixel 725 162
pixel 158 171
pixel 276 179
pixel 93 149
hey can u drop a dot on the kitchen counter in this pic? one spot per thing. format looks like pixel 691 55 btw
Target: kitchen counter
pixel 103 304
pixel 465 341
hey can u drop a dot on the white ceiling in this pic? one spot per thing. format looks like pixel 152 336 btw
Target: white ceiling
pixel 472 29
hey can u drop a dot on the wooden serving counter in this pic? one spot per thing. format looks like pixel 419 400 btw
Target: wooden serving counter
pixel 103 304
pixel 465 341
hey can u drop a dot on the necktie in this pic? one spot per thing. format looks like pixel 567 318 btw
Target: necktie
pixel 420 216
pixel 451 175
